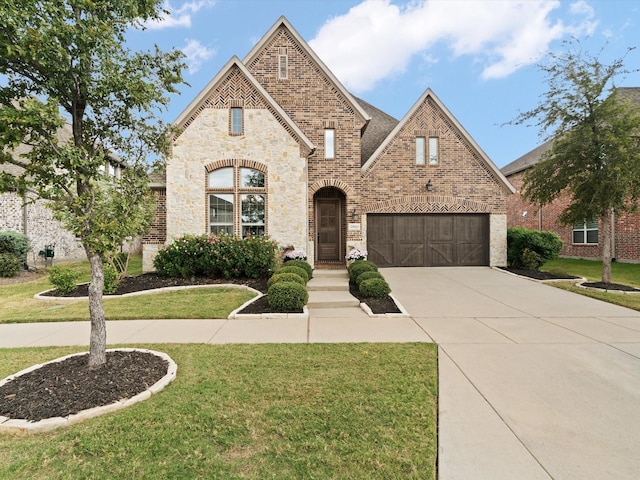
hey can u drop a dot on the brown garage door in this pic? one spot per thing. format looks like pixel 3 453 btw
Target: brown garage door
pixel 438 240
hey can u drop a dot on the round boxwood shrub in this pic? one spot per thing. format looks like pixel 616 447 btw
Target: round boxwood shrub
pixel 360 266
pixel 302 264
pixel 285 277
pixel 287 296
pixel 301 272
pixel 63 278
pixel 367 275
pixel 375 287
pixel 9 264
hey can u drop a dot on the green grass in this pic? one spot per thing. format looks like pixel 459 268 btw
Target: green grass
pixel 622 273
pixel 19 306
pixel 357 411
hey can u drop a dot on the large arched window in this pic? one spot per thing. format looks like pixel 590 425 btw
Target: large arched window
pixel 237 201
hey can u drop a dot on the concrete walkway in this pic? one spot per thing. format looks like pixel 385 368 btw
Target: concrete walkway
pixel 535 382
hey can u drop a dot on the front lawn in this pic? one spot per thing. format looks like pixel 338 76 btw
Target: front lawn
pixel 19 306
pixel 321 411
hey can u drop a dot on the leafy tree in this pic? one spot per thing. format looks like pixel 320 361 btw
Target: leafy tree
pixel 595 154
pixel 65 67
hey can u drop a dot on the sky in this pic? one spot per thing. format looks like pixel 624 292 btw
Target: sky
pixel 480 57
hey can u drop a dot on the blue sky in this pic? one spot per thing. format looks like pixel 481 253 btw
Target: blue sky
pixel 478 56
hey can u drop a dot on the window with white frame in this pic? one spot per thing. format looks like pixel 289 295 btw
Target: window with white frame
pixel 237 201
pixel 236 126
pixel 585 232
pixel 433 150
pixel 329 143
pixel 420 150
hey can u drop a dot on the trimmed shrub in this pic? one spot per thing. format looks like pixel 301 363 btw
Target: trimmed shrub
pixel 15 243
pixel 217 256
pixel 301 264
pixel 287 296
pixel 285 277
pixel 301 272
pixel 367 275
pixel 63 278
pixel 375 287
pixel 530 249
pixel 360 266
pixel 111 279
pixel 9 264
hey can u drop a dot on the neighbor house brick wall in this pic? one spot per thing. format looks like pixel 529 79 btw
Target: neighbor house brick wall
pixel 626 226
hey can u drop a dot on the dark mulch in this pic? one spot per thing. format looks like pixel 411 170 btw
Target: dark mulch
pixel 261 305
pixel 611 286
pixel 537 274
pixel 63 388
pixel 377 305
pixel 149 281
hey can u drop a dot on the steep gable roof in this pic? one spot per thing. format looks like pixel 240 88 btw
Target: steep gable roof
pixel 380 125
pixel 282 22
pixel 429 94
pixel 199 102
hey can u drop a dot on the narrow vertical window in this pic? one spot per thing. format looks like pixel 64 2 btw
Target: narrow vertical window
pixel 236 121
pixel 329 143
pixel 433 150
pixel 282 63
pixel 420 150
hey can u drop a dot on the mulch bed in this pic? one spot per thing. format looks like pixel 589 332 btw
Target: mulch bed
pixel 377 305
pixel 64 388
pixel 537 274
pixel 611 286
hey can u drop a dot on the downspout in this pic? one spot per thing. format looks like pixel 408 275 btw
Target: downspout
pixel 613 235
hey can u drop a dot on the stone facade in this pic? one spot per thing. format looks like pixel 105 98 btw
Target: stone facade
pixel 289 101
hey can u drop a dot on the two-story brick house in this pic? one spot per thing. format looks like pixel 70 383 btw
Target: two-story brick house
pixel 275 145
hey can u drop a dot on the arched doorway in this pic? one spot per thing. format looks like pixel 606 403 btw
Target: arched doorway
pixel 330 225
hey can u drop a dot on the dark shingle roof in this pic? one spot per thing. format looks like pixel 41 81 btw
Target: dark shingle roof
pixel 534 156
pixel 380 126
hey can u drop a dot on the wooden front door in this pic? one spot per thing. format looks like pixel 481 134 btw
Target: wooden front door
pixel 328 229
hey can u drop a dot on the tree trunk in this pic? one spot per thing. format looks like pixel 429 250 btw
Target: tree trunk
pixel 98 337
pixel 605 238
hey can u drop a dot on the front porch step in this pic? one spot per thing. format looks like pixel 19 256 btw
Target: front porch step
pixel 329 280
pixel 331 299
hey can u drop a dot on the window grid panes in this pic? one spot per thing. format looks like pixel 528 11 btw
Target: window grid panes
pixel 420 144
pixel 236 121
pixel 282 67
pixel 586 232
pixel 250 196
pixel 329 143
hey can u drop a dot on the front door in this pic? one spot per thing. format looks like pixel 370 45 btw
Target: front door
pixel 328 224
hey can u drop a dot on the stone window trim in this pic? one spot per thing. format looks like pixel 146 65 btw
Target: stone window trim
pixel 236 118
pixel 236 190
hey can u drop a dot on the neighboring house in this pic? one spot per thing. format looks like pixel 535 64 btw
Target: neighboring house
pixel 580 240
pixel 275 145
pixel 30 215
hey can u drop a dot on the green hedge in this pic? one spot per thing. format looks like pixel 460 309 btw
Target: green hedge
pixel 367 275
pixel 10 264
pixel 530 249
pixel 287 296
pixel 301 272
pixel 215 256
pixel 375 288
pixel 360 266
pixel 300 263
pixel 15 243
pixel 63 278
pixel 285 277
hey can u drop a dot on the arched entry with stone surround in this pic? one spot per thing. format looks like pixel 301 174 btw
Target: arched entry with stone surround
pixel 330 225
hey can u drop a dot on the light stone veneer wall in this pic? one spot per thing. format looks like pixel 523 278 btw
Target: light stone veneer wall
pixel 498 240
pixel 207 140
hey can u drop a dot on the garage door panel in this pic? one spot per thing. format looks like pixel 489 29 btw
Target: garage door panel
pixel 428 240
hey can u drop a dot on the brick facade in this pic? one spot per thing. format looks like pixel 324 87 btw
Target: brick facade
pixel 286 113
pixel 626 228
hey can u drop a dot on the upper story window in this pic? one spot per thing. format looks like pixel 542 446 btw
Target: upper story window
pixel 236 123
pixel 237 201
pixel 433 150
pixel 420 150
pixel 329 143
pixel 282 63
pixel 585 232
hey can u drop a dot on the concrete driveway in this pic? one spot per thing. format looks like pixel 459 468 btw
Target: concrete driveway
pixel 535 382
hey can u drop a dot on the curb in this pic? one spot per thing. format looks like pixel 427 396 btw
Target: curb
pixel 403 313
pixel 26 427
pixel 265 316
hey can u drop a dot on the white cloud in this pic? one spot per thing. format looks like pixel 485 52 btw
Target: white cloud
pixel 179 17
pixel 378 38
pixel 196 54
